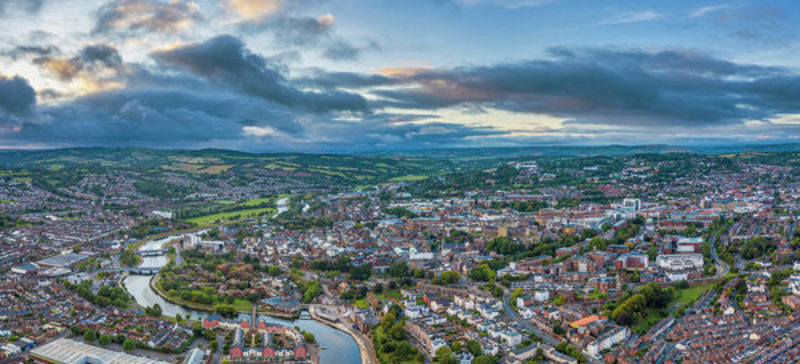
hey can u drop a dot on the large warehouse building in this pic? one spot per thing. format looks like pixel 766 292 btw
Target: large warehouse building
pixel 66 351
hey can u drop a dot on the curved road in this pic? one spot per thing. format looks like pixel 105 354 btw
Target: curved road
pixel 722 267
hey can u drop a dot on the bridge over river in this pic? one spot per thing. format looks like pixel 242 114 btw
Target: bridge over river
pixel 147 271
pixel 151 252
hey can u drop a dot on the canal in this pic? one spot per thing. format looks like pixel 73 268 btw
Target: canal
pixel 340 347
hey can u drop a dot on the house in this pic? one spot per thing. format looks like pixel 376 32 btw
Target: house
pixel 512 338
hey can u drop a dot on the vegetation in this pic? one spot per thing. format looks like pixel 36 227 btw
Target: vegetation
pixel 391 344
pixel 106 295
pixel 648 303
pixel 129 258
pixel 447 278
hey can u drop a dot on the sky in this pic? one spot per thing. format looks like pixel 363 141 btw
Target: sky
pixel 364 75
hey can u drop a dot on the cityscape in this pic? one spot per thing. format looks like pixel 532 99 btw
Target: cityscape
pixel 641 257
pixel 412 182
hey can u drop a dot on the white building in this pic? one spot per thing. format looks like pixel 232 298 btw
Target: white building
pixel 607 340
pixel 677 262
pixel 632 204
pixel 512 338
pixel 68 351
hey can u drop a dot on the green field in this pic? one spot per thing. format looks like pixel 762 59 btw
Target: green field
pixel 682 296
pixel 228 215
pixel 256 201
pixel 408 178
pixel 242 305
pixel 692 293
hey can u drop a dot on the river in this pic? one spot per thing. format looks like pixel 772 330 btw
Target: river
pixel 341 348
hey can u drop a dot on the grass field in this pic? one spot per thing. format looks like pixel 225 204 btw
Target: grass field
pixel 229 215
pixel 256 201
pixel 242 305
pixel 683 296
pixel 692 293
pixel 362 303
pixel 390 293
pixel 408 178
pixel 216 169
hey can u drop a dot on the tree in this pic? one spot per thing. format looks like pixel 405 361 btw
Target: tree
pixel 483 359
pixel 128 345
pixel 446 278
pixel 474 348
pixel 154 310
pixel 443 353
pixel 197 329
pixel 482 273
pixel 89 336
pixel 104 340
pixel 399 270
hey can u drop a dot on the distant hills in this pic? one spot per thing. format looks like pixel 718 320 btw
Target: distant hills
pixel 577 151
pixel 136 158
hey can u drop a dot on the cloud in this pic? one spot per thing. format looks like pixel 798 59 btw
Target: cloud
pixel 28 6
pixel 308 33
pixel 342 50
pixel 17 97
pixel 225 60
pixel 352 80
pixel 609 87
pixel 511 4
pixel 633 17
pixel 205 116
pixel 300 31
pixel 254 10
pixel 129 17
pixel 152 116
pixel 760 24
pixel 706 10
pixel 91 59
pixel 31 51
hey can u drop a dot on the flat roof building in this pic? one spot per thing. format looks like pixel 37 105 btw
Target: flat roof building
pixel 61 261
pixel 66 351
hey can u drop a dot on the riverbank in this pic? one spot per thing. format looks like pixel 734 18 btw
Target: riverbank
pixel 341 345
pixel 209 308
pixel 368 355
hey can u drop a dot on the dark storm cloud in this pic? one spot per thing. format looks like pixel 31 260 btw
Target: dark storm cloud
pixel 29 6
pixel 17 97
pixel 151 116
pixel 325 79
pixel 611 87
pixel 225 60
pixel 90 58
pixel 203 116
pixel 127 17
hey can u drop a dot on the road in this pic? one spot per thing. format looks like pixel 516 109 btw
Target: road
pixel 722 267
pixel 545 337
